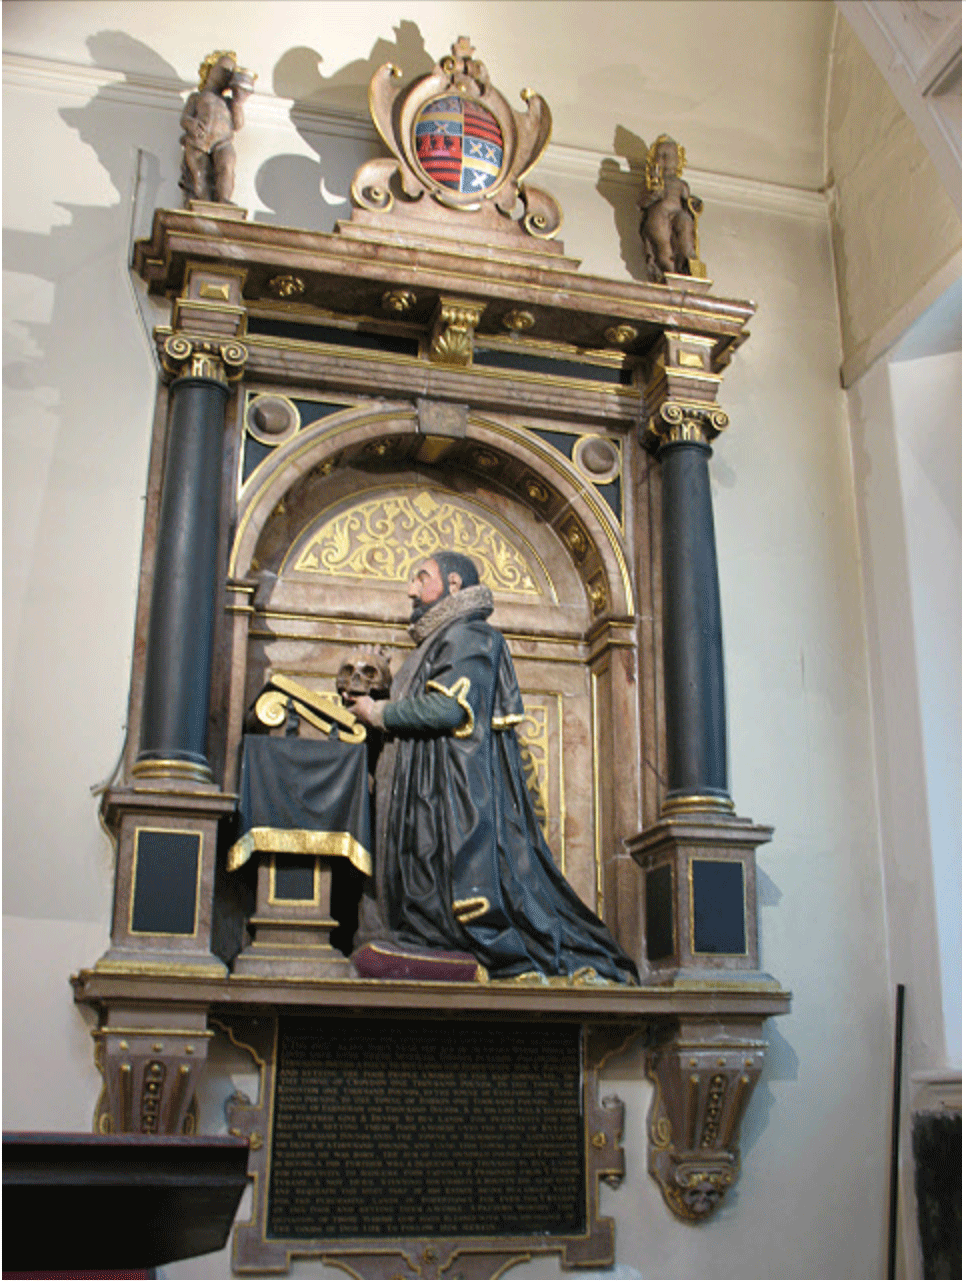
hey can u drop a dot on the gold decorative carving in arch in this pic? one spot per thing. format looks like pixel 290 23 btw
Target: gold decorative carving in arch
pixel 384 538
pixel 512 459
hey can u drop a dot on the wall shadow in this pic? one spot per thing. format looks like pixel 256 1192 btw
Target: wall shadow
pixel 314 194
pixel 78 381
pixel 620 190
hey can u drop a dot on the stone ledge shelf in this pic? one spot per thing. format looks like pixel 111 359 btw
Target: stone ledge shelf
pixel 752 997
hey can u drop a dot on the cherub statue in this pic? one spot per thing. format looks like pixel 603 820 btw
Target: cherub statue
pixel 669 213
pixel 209 120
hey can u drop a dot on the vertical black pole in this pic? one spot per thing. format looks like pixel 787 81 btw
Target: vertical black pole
pixel 693 663
pixel 896 1125
pixel 177 678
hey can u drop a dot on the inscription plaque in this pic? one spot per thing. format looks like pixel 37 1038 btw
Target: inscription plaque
pixel 398 1127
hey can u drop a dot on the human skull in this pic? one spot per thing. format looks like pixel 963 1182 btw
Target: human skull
pixel 364 671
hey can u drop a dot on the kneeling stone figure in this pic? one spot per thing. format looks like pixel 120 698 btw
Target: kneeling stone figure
pixel 461 861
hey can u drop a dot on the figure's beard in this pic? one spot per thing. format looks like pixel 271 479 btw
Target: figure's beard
pixel 420 608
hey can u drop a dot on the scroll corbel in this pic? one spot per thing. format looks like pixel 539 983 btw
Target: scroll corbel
pixel 703 1079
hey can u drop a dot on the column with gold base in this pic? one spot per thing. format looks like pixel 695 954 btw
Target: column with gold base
pixel 700 899
pixel 180 641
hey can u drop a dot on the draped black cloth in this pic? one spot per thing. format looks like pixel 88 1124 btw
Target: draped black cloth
pixel 461 861
pixel 304 797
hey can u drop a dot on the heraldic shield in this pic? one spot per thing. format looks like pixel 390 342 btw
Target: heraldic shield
pixel 459 144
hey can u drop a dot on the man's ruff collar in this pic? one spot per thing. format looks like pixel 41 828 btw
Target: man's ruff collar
pixel 467 601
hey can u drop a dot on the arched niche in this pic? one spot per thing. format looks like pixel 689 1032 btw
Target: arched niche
pixel 330 525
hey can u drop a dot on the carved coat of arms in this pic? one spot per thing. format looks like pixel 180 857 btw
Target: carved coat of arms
pixel 457 142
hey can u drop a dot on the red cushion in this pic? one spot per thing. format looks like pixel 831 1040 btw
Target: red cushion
pixel 393 961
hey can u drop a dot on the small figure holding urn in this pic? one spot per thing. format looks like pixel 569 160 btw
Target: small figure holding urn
pixel 210 118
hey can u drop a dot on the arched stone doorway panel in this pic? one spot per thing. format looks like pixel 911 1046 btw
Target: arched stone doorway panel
pixel 310 520
pixel 492 451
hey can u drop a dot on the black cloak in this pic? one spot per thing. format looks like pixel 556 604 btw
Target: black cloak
pixel 461 861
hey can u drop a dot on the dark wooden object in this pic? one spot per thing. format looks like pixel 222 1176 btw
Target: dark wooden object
pixel 117 1201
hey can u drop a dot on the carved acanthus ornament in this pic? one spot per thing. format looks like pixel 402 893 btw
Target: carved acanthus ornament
pixel 457 141
pixel 184 357
pixel 453 328
pixel 702 1085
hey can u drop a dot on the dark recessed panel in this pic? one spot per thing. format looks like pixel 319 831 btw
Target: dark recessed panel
pixel 294 878
pixel 937 1145
pixel 333 336
pixel 527 362
pixel 407 1128
pixel 659 899
pixel 718 899
pixel 165 882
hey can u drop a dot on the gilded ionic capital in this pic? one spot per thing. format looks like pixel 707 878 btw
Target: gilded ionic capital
pixel 184 357
pixel 677 421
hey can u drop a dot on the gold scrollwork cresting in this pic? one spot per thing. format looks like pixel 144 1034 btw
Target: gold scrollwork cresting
pixel 386 538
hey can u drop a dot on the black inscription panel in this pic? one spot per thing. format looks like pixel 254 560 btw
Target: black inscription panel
pixel 405 1128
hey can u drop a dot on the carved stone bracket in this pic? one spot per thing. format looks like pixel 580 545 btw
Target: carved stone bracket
pixel 454 324
pixel 151 1061
pixel 703 1078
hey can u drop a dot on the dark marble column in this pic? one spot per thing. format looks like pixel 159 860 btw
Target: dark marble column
pixel 180 641
pixel 697 762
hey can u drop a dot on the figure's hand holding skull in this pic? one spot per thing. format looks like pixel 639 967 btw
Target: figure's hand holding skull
pixel 363 683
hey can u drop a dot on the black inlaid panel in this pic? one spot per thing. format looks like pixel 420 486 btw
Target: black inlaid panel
pixel 718 897
pixel 333 335
pixel 937 1144
pixel 294 877
pixel 393 1128
pixel 564 442
pixel 165 882
pixel 659 898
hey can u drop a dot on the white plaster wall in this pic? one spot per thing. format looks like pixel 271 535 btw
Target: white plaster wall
pixel 894 226
pixel 811 1199
pixel 927 403
pixel 740 82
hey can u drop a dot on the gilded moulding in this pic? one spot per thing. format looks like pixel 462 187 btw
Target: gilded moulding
pixel 697 803
pixel 299 841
